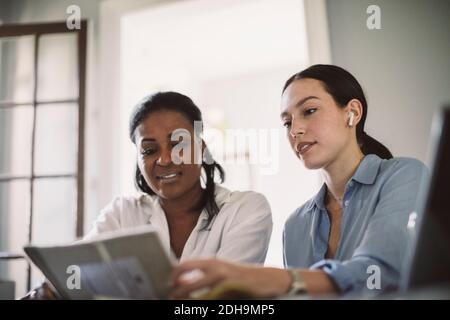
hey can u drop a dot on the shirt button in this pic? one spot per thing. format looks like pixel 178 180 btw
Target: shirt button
pixel 346 203
pixel 350 184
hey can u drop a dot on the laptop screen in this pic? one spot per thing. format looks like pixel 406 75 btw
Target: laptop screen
pixel 430 262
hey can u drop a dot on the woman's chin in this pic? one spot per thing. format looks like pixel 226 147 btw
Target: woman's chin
pixel 312 164
pixel 169 192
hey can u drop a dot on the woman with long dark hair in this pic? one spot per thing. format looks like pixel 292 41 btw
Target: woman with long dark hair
pixel 350 237
pixel 194 220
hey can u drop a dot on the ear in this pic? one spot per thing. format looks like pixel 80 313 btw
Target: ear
pixel 356 108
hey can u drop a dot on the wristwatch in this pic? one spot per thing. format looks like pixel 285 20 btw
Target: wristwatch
pixel 297 286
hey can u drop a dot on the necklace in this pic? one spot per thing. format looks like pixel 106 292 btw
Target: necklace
pixel 339 199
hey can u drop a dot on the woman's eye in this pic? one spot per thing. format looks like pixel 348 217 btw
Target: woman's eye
pixel 309 111
pixel 148 152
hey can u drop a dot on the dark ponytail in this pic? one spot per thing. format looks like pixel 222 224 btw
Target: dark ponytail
pixel 370 145
pixel 343 87
pixel 182 104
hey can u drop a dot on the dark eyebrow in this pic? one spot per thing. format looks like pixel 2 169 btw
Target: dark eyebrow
pixel 299 103
pixel 148 140
pixel 169 136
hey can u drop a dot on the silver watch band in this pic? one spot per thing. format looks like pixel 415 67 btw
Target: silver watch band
pixel 298 285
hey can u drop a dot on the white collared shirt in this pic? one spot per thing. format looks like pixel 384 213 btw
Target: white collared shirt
pixel 240 231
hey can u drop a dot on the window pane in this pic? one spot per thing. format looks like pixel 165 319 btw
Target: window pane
pixel 15 140
pixel 16 69
pixel 54 213
pixel 14 214
pixel 17 271
pixel 57 67
pixel 56 139
pixel 14 223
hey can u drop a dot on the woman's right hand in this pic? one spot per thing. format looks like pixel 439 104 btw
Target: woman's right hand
pixel 258 282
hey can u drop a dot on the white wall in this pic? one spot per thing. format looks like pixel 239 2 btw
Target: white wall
pixel 404 67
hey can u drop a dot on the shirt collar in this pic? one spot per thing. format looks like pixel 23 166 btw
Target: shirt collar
pixel 366 173
pixel 222 196
pixel 319 199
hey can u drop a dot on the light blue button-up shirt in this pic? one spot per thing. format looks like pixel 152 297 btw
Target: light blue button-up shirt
pixel 376 206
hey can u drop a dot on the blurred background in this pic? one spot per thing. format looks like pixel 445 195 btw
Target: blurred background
pixel 66 95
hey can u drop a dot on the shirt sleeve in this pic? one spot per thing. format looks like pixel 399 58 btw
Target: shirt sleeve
pixel 247 237
pixel 108 220
pixel 386 239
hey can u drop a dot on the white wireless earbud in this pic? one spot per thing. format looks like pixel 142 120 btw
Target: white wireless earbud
pixel 351 115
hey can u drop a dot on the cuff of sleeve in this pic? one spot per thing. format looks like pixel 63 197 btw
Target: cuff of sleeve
pixel 338 273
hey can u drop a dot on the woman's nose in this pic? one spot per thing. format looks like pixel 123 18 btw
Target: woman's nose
pixel 297 128
pixel 165 157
